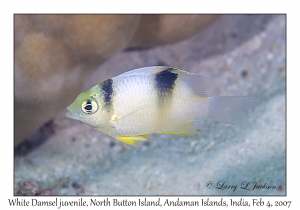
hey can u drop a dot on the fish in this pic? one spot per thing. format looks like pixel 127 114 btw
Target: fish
pixel 156 100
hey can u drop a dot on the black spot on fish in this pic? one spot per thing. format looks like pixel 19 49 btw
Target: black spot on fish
pixel 107 91
pixel 165 81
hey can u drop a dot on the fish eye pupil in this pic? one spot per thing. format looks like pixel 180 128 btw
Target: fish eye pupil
pixel 88 107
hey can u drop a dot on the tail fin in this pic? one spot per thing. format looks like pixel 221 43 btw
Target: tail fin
pixel 230 109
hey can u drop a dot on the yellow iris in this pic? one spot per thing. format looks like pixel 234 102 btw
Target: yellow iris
pixel 89 106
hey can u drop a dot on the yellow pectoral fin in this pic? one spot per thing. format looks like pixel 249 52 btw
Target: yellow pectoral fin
pixel 133 140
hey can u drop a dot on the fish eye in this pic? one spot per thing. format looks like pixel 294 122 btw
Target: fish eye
pixel 89 106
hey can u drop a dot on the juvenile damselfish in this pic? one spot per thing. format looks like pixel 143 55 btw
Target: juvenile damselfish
pixel 158 99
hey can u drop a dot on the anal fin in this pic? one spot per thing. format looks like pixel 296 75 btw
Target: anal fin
pixel 180 133
pixel 189 128
pixel 133 140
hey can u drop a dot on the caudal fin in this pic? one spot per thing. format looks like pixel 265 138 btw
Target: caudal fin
pixel 230 109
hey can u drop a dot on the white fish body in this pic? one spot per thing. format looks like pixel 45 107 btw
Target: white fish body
pixel 157 99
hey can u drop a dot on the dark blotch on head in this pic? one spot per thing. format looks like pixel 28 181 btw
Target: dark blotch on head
pixel 165 81
pixel 107 91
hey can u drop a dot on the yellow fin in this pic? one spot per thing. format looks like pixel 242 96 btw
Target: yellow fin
pixel 189 128
pixel 180 133
pixel 133 140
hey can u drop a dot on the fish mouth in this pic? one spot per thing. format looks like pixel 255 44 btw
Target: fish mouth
pixel 70 114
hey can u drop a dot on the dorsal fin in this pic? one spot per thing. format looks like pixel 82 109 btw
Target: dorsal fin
pixel 150 70
pixel 199 84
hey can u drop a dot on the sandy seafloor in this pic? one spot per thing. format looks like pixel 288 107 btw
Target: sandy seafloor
pixel 243 55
